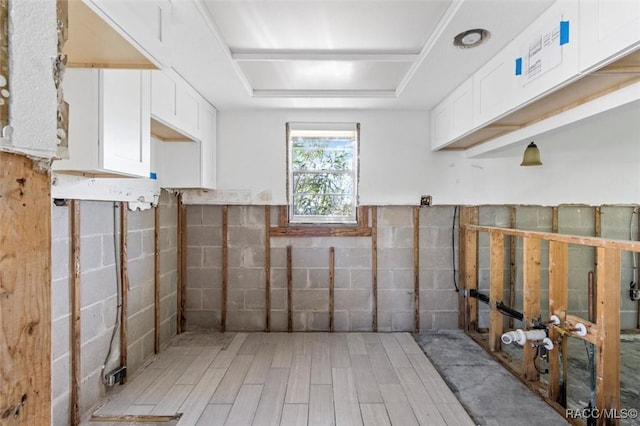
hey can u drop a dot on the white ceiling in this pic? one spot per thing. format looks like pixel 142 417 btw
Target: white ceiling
pixel 337 54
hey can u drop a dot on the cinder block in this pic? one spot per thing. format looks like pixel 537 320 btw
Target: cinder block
pixel 395 216
pixel 246 278
pixel 342 277
pixel 278 256
pixel 96 217
pixel 252 257
pixel 195 257
pixel 194 299
pixel 341 321
pixel 352 258
pixel 60 329
pixel 254 299
pixel 245 321
pixel 203 320
pixel 318 321
pixel 402 321
pixel 395 300
pixel 445 321
pixel 134 299
pixel 134 244
pixel 235 300
pixel 384 321
pixel 109 250
pixel 428 236
pixel 212 257
pixel 194 215
pixel 278 299
pixel 426 321
pixel 91 391
pixel 168 211
pixel 395 258
pixel 444 279
pixel 168 238
pixel 438 300
pixel 203 236
pixel 310 300
pixel 168 261
pixel 141 270
pixel 278 320
pixel 212 215
pixel 140 324
pixel 352 300
pixel 90 252
pixel 92 324
pixel 60 221
pixel 246 215
pixel 310 257
pixel 360 321
pixel 60 294
pixel 97 285
pixel 148 241
pixel 278 278
pixel 360 279
pixel 60 266
pixel 140 219
pixel 203 278
pixel 426 278
pixel 243 236
pixel 60 403
pixel 436 216
pixel 434 258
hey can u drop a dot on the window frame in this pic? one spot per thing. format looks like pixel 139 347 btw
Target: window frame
pixel 319 127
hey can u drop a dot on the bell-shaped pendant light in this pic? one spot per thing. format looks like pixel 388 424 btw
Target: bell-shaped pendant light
pixel 531 156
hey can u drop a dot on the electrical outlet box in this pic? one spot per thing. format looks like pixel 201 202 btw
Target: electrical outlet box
pixel 425 200
pixel 116 376
pixel 634 291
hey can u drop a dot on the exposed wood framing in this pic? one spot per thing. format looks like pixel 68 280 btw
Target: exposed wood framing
pixel 289 291
pixel 156 279
pixel 4 61
pixel 363 216
pixel 267 268
pixel 637 211
pixel 76 376
pixel 597 232
pixel 283 216
pixel 468 266
pixel 225 267
pixel 416 269
pixel 555 226
pixel 558 302
pixel 332 258
pixel 531 296
pixel 608 325
pixel 124 284
pixel 374 268
pixel 320 231
pixel 496 290
pixel 512 260
pixel 181 299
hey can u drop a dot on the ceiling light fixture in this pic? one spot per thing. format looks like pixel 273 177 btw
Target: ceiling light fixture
pixel 471 38
pixel 531 156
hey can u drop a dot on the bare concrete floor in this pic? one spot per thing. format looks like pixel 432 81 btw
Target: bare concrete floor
pixel 489 393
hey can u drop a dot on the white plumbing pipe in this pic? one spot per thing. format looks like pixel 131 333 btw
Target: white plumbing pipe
pixel 547 343
pixel 521 336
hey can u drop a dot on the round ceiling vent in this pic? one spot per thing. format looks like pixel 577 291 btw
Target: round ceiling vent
pixel 471 38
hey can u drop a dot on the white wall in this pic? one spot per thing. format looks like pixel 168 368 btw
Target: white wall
pixel 592 162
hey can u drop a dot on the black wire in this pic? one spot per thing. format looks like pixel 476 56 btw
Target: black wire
pixel 453 248
pixel 536 356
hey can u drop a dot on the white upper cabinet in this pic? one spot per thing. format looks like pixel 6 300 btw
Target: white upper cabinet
pixel 453 116
pixel 146 23
pixel 609 29
pixel 175 103
pixel 109 129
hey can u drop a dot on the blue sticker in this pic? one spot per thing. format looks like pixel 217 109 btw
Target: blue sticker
pixel 153 175
pixel 518 66
pixel 564 32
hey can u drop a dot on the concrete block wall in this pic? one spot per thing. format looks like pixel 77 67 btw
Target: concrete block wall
pixel 99 299
pixel 310 272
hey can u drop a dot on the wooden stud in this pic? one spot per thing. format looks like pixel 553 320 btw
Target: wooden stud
pixel 225 267
pixel 289 291
pixel 156 280
pixel 25 291
pixel 363 217
pixel 637 211
pixel 558 298
pixel 320 231
pixel 124 283
pixel 608 325
pixel 332 257
pixel 597 232
pixel 374 268
pixel 531 295
pixel 267 268
pixel 76 375
pixel 496 290
pixel 416 269
pixel 283 216
pixel 181 297
pixel 469 266
pixel 512 261
pixel 555 224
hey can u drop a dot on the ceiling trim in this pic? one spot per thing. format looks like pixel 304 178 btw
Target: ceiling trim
pixel 431 42
pixel 324 93
pixel 211 24
pixel 302 55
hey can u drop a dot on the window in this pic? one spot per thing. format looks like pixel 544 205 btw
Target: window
pixel 323 172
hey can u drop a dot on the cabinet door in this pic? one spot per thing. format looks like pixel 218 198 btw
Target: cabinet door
pixel 208 147
pixel 146 23
pixel 125 125
pixel 608 29
pixel 453 117
pixel 188 110
pixel 163 97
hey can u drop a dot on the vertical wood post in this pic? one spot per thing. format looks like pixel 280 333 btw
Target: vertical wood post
pixel 468 259
pixel 181 299
pixel 597 232
pixel 558 297
pixel 496 290
pixel 124 283
pixel 608 325
pixel 531 295
pixel 75 314
pixel 225 267
pixel 637 210
pixel 374 268
pixel 267 268
pixel 289 291
pixel 512 261
pixel 156 280
pixel 416 269
pixel 332 257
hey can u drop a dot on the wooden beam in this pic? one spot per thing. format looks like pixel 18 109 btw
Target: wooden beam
pixel 225 267
pixel 124 283
pixel 267 268
pixel 496 290
pixel 181 299
pixel 76 376
pixel 637 211
pixel 289 291
pixel 512 261
pixel 469 271
pixel 416 269
pixel 156 280
pixel 283 216
pixel 319 231
pixel 531 296
pixel 374 268
pixel 555 224
pixel 571 239
pixel 332 259
pixel 593 278
pixel 608 325
pixel 558 298
pixel 363 217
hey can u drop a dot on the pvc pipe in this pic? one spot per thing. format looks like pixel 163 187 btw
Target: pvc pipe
pixel 547 343
pixel 580 329
pixel 554 319
pixel 521 336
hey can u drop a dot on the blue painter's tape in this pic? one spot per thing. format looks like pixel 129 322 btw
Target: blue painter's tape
pixel 153 175
pixel 518 66
pixel 564 32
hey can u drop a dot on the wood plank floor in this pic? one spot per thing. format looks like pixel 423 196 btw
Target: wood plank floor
pixel 348 379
